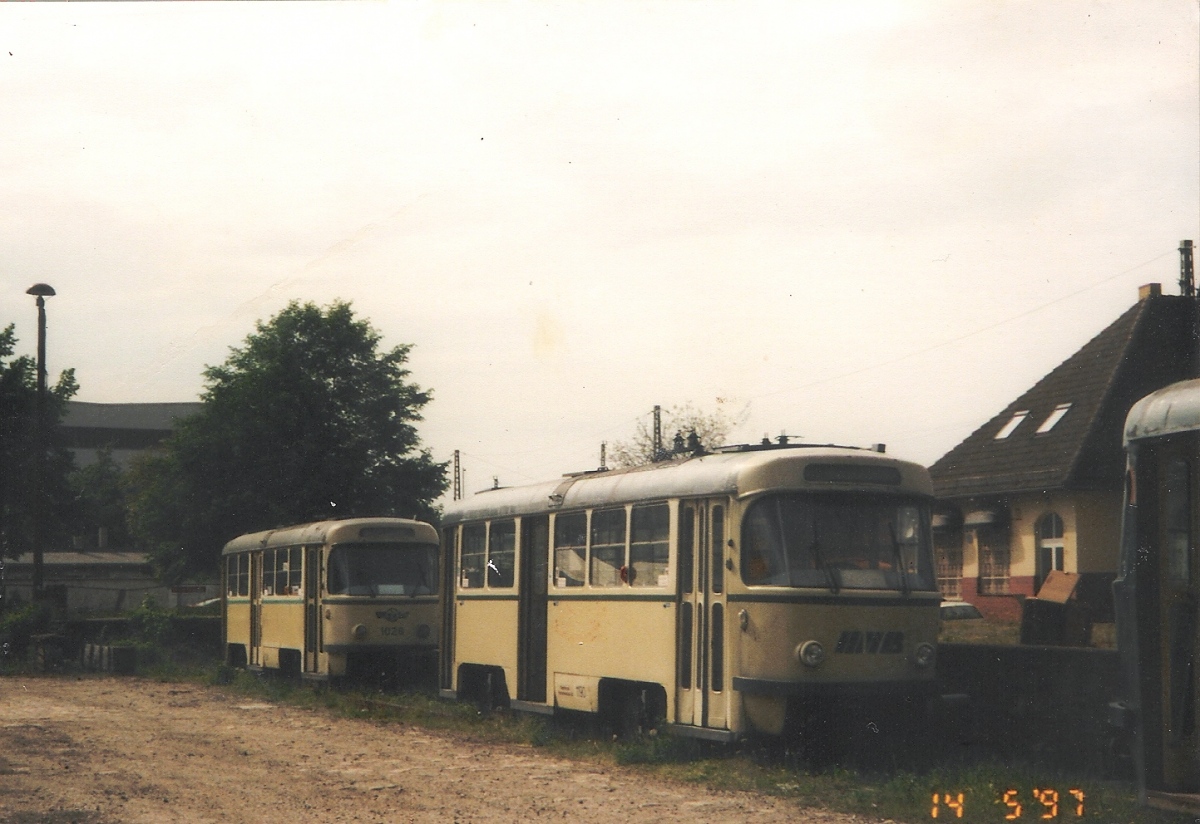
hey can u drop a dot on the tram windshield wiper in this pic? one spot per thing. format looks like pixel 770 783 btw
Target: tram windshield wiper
pixel 899 555
pixel 830 572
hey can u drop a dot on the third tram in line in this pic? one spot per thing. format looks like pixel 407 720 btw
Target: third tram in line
pixel 768 589
pixel 356 597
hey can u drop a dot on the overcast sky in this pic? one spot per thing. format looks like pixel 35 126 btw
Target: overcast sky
pixel 856 223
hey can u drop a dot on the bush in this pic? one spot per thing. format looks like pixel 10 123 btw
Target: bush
pixel 18 627
pixel 149 624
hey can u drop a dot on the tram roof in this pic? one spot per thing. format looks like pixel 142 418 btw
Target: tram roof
pixel 1174 408
pixel 721 473
pixel 348 529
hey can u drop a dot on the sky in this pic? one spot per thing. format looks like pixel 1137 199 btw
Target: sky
pixel 862 223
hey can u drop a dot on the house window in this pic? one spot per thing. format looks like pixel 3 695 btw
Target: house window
pixel 1049 534
pixel 1053 418
pixel 948 555
pixel 993 561
pixel 1012 424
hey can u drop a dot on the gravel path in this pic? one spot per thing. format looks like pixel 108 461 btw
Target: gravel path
pixel 106 750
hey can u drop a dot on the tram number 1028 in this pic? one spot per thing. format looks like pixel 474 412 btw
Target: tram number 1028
pixel 1047 804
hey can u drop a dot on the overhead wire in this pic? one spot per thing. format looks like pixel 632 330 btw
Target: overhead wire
pixel 949 341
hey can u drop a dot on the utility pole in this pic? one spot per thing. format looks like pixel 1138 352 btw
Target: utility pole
pixel 1187 275
pixel 41 291
pixel 457 493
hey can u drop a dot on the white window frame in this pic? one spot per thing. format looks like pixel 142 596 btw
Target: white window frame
pixel 1013 423
pixel 1053 418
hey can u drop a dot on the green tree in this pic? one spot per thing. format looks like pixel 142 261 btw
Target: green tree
pixel 307 420
pixel 18 452
pixel 100 504
pixel 682 421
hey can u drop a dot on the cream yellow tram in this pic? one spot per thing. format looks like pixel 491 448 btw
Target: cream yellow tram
pixel 357 597
pixel 762 588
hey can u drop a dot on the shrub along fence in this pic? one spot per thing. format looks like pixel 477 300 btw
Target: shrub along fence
pixel 1044 705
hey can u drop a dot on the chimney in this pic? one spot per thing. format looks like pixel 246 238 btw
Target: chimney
pixel 1150 290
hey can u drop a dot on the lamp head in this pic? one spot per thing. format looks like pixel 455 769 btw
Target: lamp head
pixel 42 290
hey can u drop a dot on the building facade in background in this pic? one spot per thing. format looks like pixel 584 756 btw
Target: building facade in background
pixel 125 429
pixel 106 579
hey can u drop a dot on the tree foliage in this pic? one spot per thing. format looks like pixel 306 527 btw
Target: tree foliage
pixel 307 420
pixel 18 452
pixel 100 501
pixel 679 424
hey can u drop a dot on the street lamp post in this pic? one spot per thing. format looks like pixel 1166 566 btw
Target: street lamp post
pixel 41 291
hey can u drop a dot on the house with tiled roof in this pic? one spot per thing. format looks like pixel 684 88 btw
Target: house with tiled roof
pixel 1038 487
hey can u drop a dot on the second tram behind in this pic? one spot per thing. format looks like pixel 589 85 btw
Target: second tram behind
pixel 771 589
pixel 357 598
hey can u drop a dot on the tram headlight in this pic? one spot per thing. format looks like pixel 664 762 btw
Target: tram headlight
pixel 360 632
pixel 924 655
pixel 811 653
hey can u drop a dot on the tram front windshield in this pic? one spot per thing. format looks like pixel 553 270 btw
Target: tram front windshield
pixel 837 541
pixel 383 569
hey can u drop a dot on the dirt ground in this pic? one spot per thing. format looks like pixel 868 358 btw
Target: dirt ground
pixel 106 750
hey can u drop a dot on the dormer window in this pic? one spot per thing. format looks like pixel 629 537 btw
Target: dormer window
pixel 1012 424
pixel 1053 418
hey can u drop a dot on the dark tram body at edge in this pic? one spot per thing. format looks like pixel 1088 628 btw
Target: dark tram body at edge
pixel 1157 596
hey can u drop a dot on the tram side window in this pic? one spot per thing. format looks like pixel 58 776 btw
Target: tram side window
pixel 608 547
pixel 237 576
pixel 1178 521
pixel 268 572
pixel 281 571
pixel 570 549
pixel 294 569
pixel 718 553
pixel 473 557
pixel 649 548
pixel 501 554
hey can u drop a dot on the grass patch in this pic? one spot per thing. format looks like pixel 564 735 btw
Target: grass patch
pixel 980 632
pixel 1008 633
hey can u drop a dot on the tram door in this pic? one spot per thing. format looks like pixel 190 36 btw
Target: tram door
pixel 700 659
pixel 1179 615
pixel 312 608
pixel 446 642
pixel 256 596
pixel 531 609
